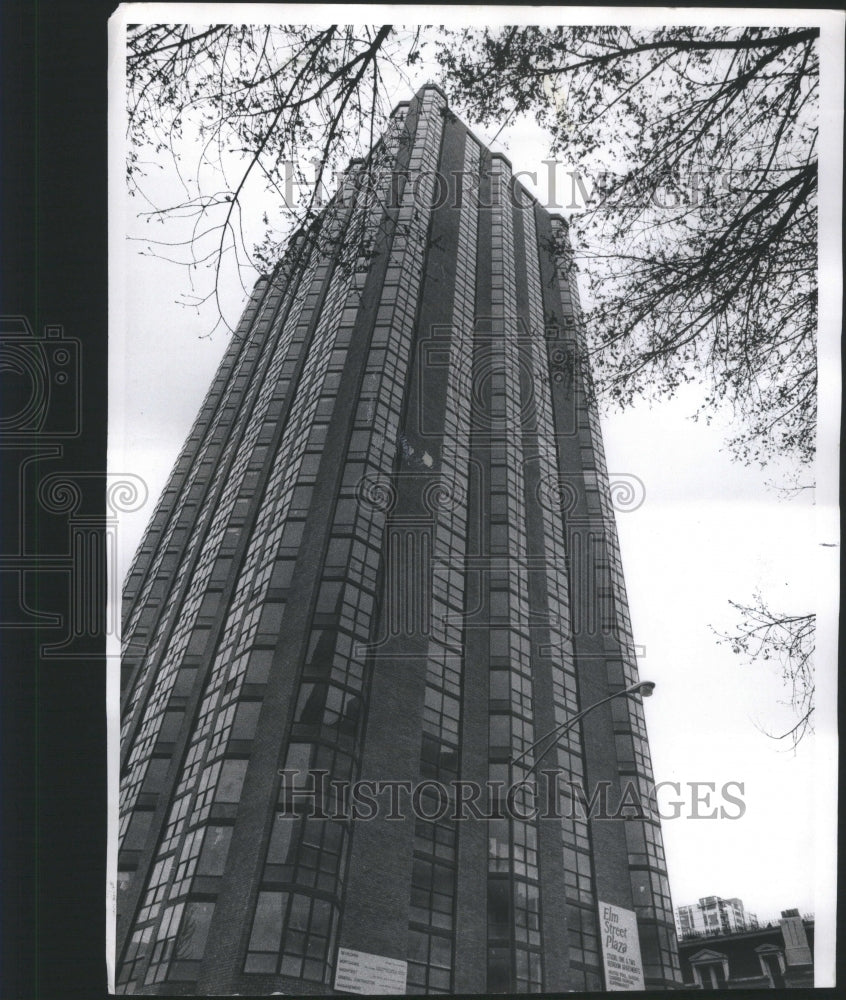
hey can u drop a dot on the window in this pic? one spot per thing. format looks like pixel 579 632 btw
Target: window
pixel 163 947
pixel 156 888
pixel 432 887
pixel 246 719
pixel 187 862
pixel 499 603
pixel 338 554
pixel 499 970
pixel 171 725
pixel 154 779
pixel 772 965
pixel 135 955
pixel 710 970
pixel 298 759
pixel 309 466
pixel 498 845
pixel 231 781
pixel 345 512
pixel 191 942
pixel 500 686
pixel 267 932
pixel 291 536
pixel 139 826
pixel 499 538
pixel 499 909
pixel 258 666
pixel 184 682
pixel 527 912
pixel 283 573
pixel 499 642
pixel 429 962
pixel 328 597
pixel 310 704
pixel 306 937
pixel 280 839
pixel 500 731
pixel 320 651
pixel 215 849
pixel 712 976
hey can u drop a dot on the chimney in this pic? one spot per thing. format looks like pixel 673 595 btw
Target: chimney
pixel 796 949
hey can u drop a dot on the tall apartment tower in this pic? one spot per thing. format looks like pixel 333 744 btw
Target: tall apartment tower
pixel 714 915
pixel 385 565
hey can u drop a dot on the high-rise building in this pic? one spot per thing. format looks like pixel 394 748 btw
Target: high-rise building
pixel 714 915
pixel 384 566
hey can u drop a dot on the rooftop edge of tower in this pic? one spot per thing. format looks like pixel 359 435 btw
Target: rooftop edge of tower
pixel 504 158
pixel 559 218
pixel 419 95
pixel 432 86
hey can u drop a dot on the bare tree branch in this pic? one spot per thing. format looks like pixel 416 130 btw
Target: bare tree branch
pixel 700 247
pixel 699 242
pixel 763 635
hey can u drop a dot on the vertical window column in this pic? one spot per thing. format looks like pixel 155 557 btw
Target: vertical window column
pixel 210 778
pixel 326 733
pixel 514 946
pixel 650 886
pixel 580 892
pixel 432 940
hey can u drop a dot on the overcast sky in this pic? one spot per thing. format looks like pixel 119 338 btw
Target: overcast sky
pixel 708 530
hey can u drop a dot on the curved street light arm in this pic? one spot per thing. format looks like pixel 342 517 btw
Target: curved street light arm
pixel 643 688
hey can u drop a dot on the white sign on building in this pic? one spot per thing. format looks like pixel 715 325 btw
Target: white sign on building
pixel 376 975
pixel 620 948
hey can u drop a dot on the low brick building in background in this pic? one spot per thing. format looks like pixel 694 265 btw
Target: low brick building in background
pixel 777 955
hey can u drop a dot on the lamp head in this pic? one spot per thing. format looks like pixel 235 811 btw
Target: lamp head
pixel 645 688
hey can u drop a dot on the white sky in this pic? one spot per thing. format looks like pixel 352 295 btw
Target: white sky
pixel 709 530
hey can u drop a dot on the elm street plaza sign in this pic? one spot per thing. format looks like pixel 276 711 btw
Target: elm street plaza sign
pixel 620 948
pixel 370 975
pixel 376 975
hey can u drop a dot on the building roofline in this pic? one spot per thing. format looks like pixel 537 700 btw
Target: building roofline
pixel 705 940
pixel 433 86
pixel 503 157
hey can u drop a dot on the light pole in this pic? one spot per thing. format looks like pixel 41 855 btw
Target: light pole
pixel 643 688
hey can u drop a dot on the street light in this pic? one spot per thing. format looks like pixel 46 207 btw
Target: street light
pixel 643 688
